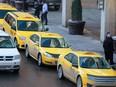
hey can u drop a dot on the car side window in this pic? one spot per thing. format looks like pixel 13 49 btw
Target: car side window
pixel 7 18
pixel 34 38
pixel 31 38
pixel 12 21
pixel 69 57
pixel 74 60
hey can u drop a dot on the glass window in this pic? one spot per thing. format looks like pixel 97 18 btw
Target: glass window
pixel 6 42
pixel 94 62
pixel 54 43
pixel 69 57
pixel 34 38
pixel 74 60
pixel 30 26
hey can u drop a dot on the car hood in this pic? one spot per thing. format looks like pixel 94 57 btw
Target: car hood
pixel 100 72
pixel 25 33
pixel 56 50
pixel 8 51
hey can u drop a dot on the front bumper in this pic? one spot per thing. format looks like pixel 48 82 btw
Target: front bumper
pixel 50 61
pixel 9 65
pixel 21 44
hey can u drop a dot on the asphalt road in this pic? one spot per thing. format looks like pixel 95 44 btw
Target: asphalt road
pixel 31 75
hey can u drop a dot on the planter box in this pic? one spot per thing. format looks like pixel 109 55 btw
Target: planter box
pixel 76 27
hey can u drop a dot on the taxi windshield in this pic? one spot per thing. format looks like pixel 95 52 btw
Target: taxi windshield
pixel 3 13
pixel 30 26
pixel 6 42
pixel 94 63
pixel 54 43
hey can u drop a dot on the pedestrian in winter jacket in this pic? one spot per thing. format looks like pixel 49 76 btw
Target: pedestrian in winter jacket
pixel 108 48
pixel 37 11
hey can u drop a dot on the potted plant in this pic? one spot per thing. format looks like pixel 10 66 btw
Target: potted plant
pixel 76 24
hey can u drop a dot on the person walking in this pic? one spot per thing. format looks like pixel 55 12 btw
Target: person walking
pixel 44 13
pixel 37 11
pixel 108 48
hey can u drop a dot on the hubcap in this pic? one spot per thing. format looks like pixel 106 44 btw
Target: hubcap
pixel 39 60
pixel 27 52
pixel 60 72
pixel 79 82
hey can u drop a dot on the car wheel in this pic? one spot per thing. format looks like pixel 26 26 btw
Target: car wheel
pixel 60 73
pixel 40 60
pixel 27 52
pixel 16 43
pixel 79 82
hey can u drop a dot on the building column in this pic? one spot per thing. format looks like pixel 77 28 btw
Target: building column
pixel 108 19
pixel 66 11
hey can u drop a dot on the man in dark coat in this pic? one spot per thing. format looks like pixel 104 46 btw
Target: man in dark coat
pixel 37 11
pixel 108 48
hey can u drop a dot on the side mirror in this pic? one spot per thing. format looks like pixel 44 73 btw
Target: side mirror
pixel 75 65
pixel 46 29
pixel 13 27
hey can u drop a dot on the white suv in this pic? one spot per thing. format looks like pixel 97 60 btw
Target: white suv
pixel 9 55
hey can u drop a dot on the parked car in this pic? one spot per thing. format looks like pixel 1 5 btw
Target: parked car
pixel 86 69
pixel 9 55
pixel 45 47
pixel 4 8
pixel 19 24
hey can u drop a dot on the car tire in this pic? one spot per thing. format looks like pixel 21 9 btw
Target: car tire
pixel 79 82
pixel 40 60
pixel 60 73
pixel 27 52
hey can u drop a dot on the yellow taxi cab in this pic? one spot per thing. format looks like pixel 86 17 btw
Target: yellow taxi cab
pixel 86 69
pixel 45 47
pixel 4 8
pixel 19 24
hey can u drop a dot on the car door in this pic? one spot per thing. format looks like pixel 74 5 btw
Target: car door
pixel 67 64
pixel 36 46
pixel 31 43
pixel 74 67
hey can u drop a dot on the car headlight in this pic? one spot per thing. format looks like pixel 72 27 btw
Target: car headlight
pixel 17 57
pixel 22 38
pixel 48 55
